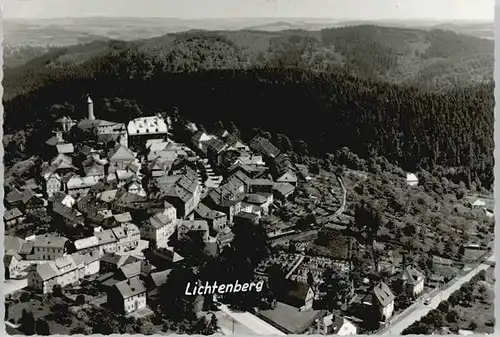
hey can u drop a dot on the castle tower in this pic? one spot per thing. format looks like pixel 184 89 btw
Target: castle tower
pixel 90 106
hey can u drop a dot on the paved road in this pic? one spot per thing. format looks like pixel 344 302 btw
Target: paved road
pixel 419 309
pixel 11 286
pixel 251 322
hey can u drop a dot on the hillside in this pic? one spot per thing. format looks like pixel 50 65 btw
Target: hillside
pixel 320 112
pixel 428 59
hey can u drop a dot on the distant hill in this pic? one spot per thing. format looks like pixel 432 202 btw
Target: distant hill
pixel 430 59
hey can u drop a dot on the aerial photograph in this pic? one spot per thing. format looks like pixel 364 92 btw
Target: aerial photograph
pixel 248 167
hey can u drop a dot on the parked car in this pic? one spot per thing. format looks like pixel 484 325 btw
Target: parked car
pixel 428 301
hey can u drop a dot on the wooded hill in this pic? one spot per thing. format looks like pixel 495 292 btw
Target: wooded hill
pixel 270 81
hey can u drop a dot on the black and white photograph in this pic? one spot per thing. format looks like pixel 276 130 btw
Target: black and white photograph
pixel 248 167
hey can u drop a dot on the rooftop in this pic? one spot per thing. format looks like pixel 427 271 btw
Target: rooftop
pixel 131 287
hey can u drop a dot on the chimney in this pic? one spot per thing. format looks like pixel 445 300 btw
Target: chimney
pixel 90 106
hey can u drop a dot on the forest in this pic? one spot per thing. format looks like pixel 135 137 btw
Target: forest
pixel 341 96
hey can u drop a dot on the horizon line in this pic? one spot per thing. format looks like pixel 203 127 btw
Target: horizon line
pixel 250 18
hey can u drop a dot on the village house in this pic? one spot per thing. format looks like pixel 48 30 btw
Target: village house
pixel 199 140
pixel 120 157
pixel 263 146
pixel 412 282
pixel 62 164
pixel 158 229
pixel 63 271
pixel 127 237
pixel 288 177
pixel 383 301
pixel 246 218
pixel 13 199
pixel 411 179
pixel 95 170
pixel 71 217
pixel 12 217
pixel 85 245
pixel 283 191
pixel 184 227
pixel 11 264
pixel 333 325
pixel 53 183
pixel 282 168
pixel 262 200
pixel 298 295
pixel 159 167
pixel 251 170
pixel 80 186
pixel 44 248
pixel 31 202
pixel 215 219
pixel 112 262
pixel 261 186
pixel 127 296
pixel 183 192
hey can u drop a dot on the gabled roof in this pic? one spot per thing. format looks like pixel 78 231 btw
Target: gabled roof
pixel 47 271
pixel 14 196
pixel 158 221
pixel 129 288
pixel 284 188
pixel 412 275
pixel 47 241
pixel 62 161
pixel 12 214
pixel 383 294
pixel 65 148
pixel 105 237
pixel 159 278
pixel 85 243
pixel 12 243
pixel 121 152
pixel 288 177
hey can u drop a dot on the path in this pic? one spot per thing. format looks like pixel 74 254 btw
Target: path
pixel 416 311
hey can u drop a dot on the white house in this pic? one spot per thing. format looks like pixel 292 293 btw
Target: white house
pixel 159 228
pixel 128 296
pixel 411 179
pixel 334 325
pixel 384 300
pixel 53 183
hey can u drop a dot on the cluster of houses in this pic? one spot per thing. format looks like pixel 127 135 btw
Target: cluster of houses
pixel 118 194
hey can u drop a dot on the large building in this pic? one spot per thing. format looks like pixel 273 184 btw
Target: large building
pixel 140 130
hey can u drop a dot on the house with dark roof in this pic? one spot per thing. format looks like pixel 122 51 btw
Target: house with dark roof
pixel 283 191
pixel 298 295
pixel 264 147
pixel 12 217
pixel 30 202
pixel 381 301
pixel 70 216
pixel 183 191
pixel 216 220
pixel 112 262
pixel 155 280
pixel 127 296
pixel 184 227
pixel 412 281
pixel 246 218
pixel 13 198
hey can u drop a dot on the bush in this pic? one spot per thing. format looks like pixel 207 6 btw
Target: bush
pixel 472 325
pixel 452 316
pixel 444 306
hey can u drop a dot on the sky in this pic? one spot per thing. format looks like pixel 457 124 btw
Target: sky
pixel 205 9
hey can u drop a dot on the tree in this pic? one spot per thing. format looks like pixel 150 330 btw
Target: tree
pixel 337 287
pixel 175 304
pixel 214 325
pixel 42 327
pixel 310 278
pixel 444 306
pixel 368 218
pixel 27 322
pixel 452 316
